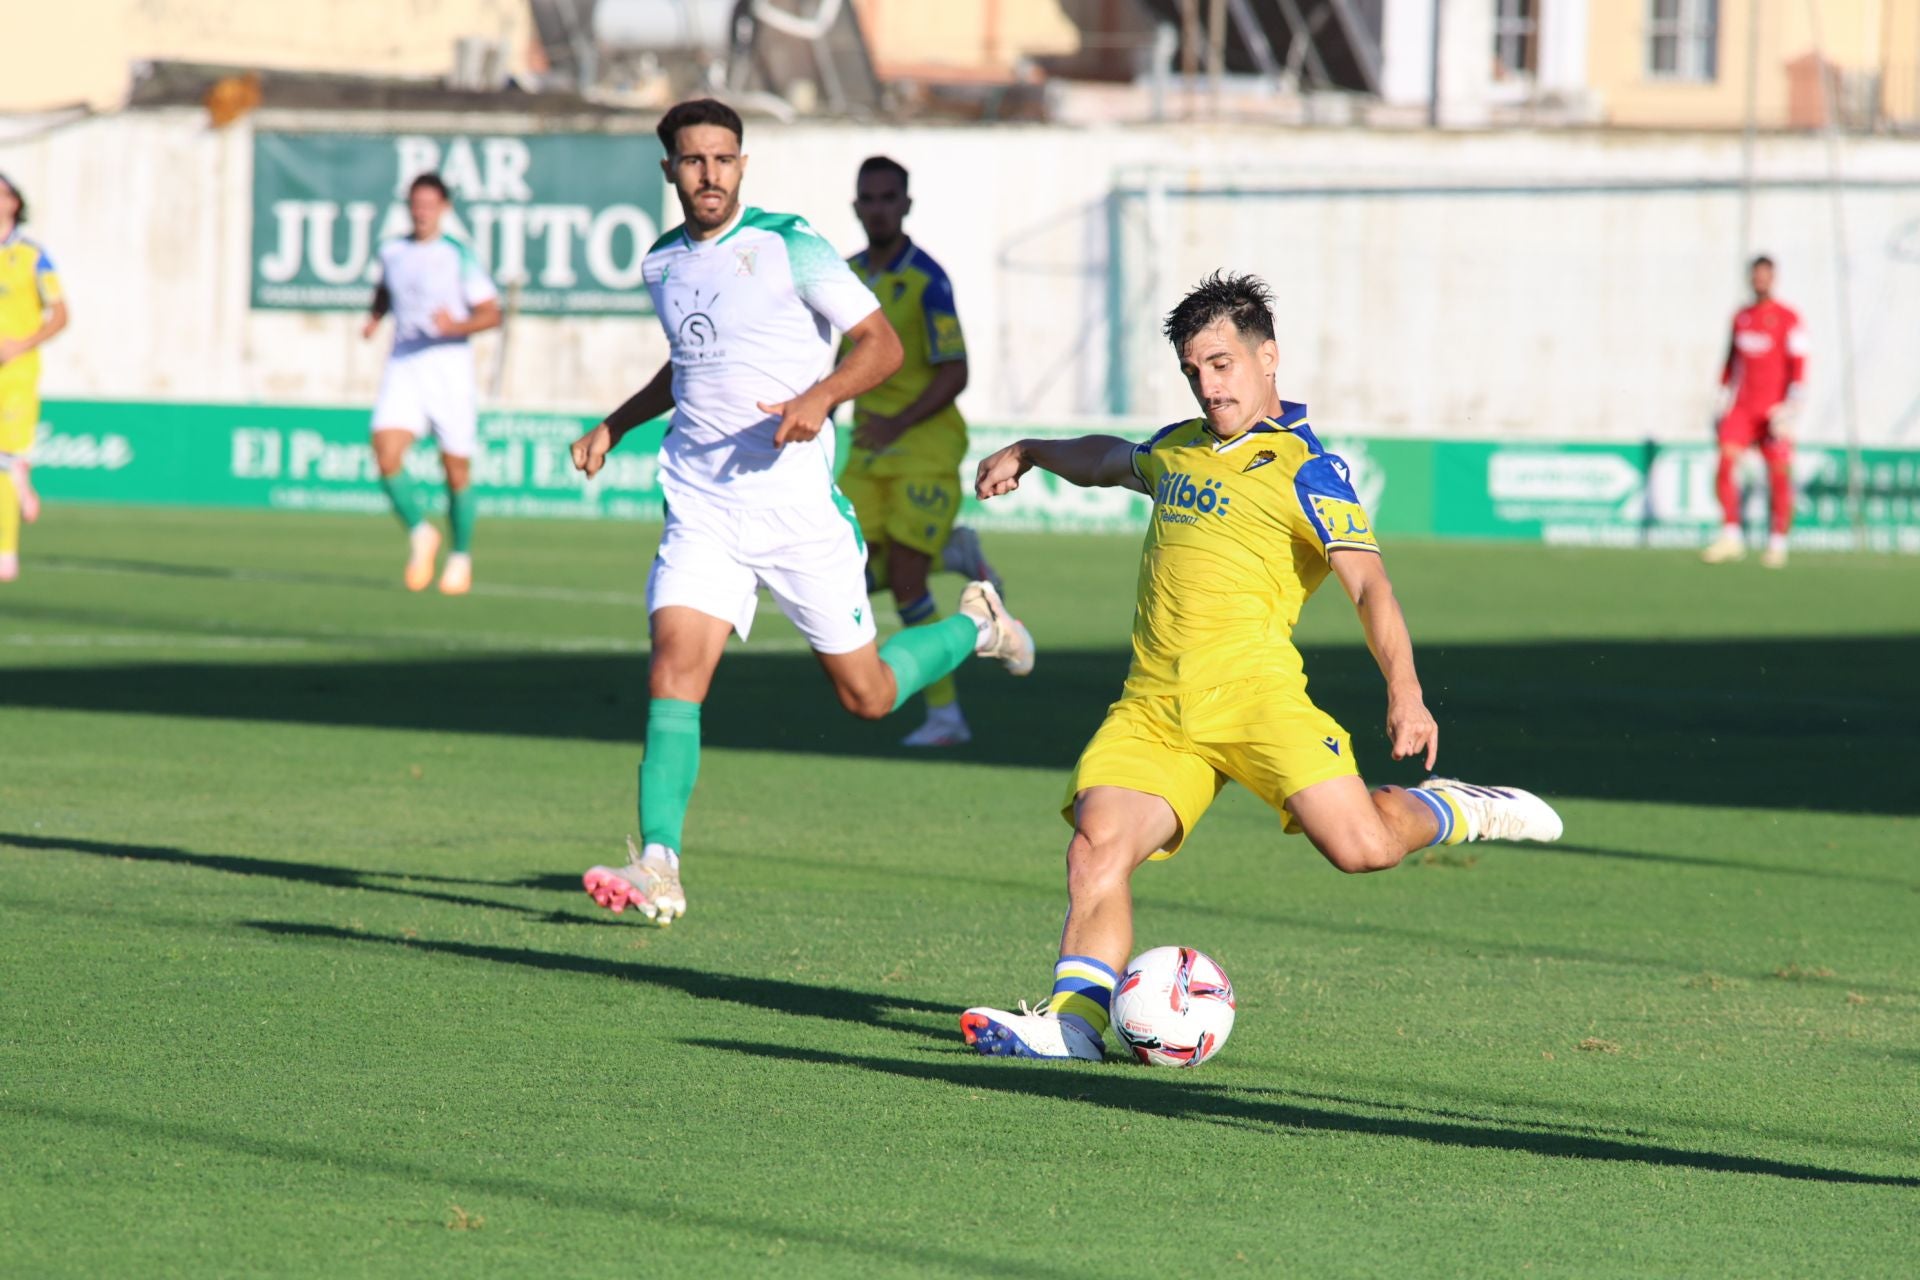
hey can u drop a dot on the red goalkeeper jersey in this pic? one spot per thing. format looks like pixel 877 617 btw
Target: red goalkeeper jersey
pixel 1766 357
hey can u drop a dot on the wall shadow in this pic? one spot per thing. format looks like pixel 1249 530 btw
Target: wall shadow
pixel 1801 724
pixel 1152 1093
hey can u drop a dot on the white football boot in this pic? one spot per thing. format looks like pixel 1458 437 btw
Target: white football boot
pixel 1001 634
pixel 1729 546
pixel 945 727
pixel 1500 813
pixel 963 555
pixel 649 882
pixel 1030 1033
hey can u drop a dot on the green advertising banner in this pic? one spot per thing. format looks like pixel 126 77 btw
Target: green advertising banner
pixel 319 459
pixel 561 221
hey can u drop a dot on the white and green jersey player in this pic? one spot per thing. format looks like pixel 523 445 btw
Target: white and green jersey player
pixel 750 302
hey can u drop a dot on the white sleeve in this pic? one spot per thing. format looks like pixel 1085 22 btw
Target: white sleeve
pixel 824 281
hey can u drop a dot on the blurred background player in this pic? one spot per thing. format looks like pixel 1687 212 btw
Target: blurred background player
pixel 1761 383
pixel 1250 515
pixel 31 311
pixel 749 300
pixel 440 297
pixel 903 472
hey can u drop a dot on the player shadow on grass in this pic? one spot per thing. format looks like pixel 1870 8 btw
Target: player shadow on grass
pixel 299 873
pixel 1705 722
pixel 776 995
pixel 1154 1093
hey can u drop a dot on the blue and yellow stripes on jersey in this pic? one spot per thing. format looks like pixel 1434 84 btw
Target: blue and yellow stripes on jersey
pixel 1241 533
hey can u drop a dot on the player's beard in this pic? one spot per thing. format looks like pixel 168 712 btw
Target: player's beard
pixel 729 205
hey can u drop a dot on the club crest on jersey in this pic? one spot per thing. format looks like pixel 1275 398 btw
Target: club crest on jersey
pixel 1259 460
pixel 1181 501
pixel 743 261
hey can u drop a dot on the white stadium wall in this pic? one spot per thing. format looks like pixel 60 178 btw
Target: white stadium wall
pixel 1529 285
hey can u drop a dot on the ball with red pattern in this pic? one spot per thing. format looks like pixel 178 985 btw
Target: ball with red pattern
pixel 1173 1007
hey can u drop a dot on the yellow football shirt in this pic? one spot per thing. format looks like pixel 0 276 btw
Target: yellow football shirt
pixel 917 298
pixel 1239 538
pixel 28 287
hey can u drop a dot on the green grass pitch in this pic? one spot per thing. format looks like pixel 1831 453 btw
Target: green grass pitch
pixel 296 976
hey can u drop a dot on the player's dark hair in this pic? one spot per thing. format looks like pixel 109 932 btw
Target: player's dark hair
pixel 1762 261
pixel 697 111
pixel 432 182
pixel 20 217
pixel 1245 300
pixel 884 164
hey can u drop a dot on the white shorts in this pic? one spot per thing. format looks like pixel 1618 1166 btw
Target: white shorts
pixel 811 558
pixel 431 390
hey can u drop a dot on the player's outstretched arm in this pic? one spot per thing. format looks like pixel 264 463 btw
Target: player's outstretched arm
pixel 1088 461
pixel 649 402
pixel 875 356
pixel 1410 726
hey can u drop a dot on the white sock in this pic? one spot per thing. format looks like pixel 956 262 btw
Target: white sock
pixel 1776 542
pixel 983 628
pixel 1732 531
pixel 660 853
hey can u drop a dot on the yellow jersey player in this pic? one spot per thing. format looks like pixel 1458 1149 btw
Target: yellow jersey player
pixel 903 473
pixel 1250 515
pixel 32 310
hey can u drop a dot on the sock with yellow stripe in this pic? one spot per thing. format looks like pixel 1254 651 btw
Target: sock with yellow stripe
pixel 924 613
pixel 1083 990
pixel 1450 823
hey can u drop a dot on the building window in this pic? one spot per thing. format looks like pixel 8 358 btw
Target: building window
pixel 1683 39
pixel 1516 39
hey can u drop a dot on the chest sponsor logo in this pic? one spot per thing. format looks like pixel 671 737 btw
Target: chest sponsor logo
pixel 1753 342
pixel 1177 499
pixel 695 335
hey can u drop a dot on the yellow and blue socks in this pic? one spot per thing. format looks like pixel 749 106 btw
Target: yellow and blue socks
pixel 668 770
pixel 1083 991
pixel 406 502
pixel 921 655
pixel 924 613
pixel 1450 823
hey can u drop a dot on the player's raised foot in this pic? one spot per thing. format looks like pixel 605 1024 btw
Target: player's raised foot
pixel 9 565
pixel 457 578
pixel 1729 546
pixel 650 883
pixel 1500 813
pixel 945 727
pixel 425 549
pixel 1001 634
pixel 963 555
pixel 1029 1033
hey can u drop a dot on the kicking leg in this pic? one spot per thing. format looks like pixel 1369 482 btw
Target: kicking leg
pixel 390 445
pixel 907 570
pixel 457 578
pixel 1359 831
pixel 1115 829
pixel 687 645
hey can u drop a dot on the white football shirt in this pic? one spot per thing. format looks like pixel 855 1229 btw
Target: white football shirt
pixel 749 316
pixel 425 276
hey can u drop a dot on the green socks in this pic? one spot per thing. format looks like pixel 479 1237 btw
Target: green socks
pixel 921 655
pixel 460 519
pixel 406 502
pixel 668 770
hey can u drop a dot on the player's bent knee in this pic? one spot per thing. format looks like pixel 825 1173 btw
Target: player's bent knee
pixel 1097 864
pixel 866 703
pixel 1359 856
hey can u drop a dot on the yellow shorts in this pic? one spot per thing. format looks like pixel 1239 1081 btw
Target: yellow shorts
pixel 915 508
pixel 1264 735
pixel 19 405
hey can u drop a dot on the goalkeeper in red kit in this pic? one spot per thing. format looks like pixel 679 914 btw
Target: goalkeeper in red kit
pixel 1761 387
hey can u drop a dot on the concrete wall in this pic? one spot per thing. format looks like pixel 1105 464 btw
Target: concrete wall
pixel 1526 285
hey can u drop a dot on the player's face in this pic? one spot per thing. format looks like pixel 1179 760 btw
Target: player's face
pixel 1762 279
pixel 1231 377
pixel 426 206
pixel 705 169
pixel 9 204
pixel 881 204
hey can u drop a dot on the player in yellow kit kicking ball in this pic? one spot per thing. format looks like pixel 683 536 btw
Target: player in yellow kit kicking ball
pixel 903 473
pixel 32 310
pixel 1250 515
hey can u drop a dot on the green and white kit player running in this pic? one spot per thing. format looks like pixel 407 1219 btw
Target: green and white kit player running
pixel 749 301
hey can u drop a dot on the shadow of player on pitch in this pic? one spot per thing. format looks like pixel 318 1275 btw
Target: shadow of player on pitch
pixel 775 995
pixel 1146 1093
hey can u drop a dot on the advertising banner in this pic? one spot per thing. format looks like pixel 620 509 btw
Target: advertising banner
pixel 561 221
pixel 319 459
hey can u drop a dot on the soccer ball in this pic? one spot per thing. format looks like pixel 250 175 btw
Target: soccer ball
pixel 1173 1007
